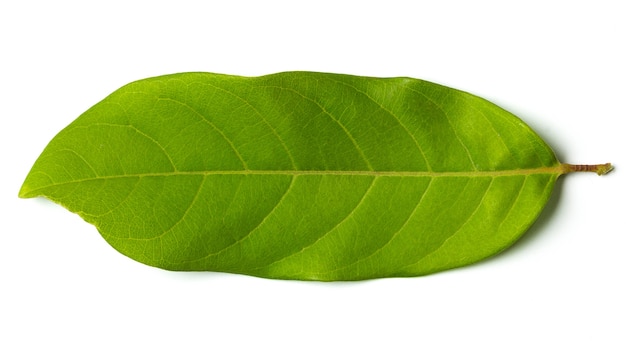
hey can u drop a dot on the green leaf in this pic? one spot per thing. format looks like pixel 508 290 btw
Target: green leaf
pixel 300 175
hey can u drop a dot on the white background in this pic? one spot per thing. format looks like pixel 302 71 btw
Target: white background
pixel 558 65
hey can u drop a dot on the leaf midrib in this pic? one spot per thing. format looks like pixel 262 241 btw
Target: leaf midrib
pixel 558 169
pixel 480 173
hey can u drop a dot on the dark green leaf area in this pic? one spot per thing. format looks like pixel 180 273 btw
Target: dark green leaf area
pixel 299 175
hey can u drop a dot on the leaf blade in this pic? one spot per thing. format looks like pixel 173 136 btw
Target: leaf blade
pixel 293 175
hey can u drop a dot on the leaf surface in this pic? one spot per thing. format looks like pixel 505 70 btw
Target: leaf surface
pixel 299 175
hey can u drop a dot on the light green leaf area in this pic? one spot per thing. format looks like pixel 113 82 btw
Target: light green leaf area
pixel 299 175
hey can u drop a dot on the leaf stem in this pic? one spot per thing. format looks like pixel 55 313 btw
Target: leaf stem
pixel 600 169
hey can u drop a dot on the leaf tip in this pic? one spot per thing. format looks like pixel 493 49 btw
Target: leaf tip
pixel 26 191
pixel 23 194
